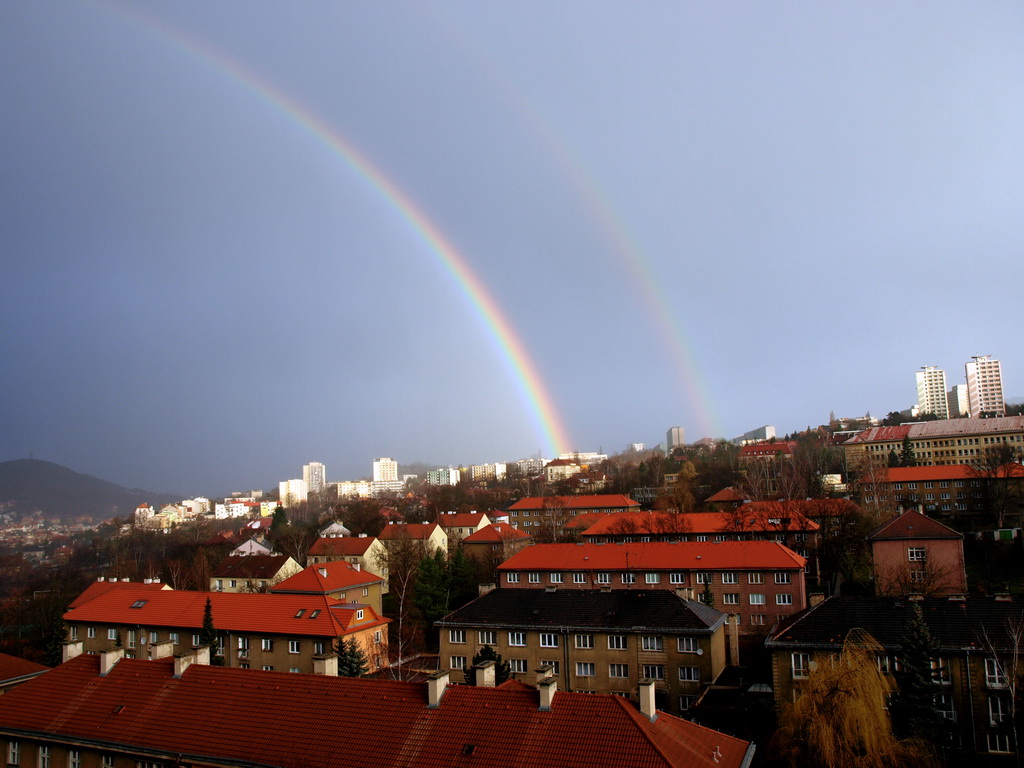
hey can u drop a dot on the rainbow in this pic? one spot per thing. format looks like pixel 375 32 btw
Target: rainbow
pixel 510 348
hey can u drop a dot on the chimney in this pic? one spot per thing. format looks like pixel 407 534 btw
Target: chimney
pixel 544 672
pixel 125 578
pixel 647 699
pixel 547 688
pixel 484 674
pixel 733 630
pixel 101 578
pixel 71 650
pixel 325 664
pixel 362 535
pixel 815 598
pixel 357 566
pixel 109 658
pixel 684 593
pixel 322 572
pixel 200 654
pixel 161 650
pixel 436 684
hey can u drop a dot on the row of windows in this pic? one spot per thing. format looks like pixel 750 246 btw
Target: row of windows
pixel 581 641
pixel 266 643
pixel 677 577
pixel 589 669
pixel 44 760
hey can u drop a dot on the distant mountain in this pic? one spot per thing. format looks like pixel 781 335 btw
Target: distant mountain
pixel 29 485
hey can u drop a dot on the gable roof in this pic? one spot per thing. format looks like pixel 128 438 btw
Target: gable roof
pixel 913 525
pixel 460 519
pixel 658 555
pixel 101 587
pixel 353 546
pixel 616 609
pixel 753 450
pixel 140 705
pixel 415 531
pixel 727 494
pixel 495 532
pixel 923 430
pixel 232 612
pixel 745 519
pixel 251 566
pixel 330 577
pixel 586 501
pixel 13 667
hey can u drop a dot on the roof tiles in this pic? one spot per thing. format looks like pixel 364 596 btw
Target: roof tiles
pixel 682 555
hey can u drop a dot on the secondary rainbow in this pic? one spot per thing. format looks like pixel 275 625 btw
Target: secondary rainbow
pixel 510 348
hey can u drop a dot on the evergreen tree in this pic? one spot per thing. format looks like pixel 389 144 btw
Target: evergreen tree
pixel 208 635
pixel 894 458
pixel 502 670
pixel 351 659
pixel 433 585
pixel 708 598
pixel 912 709
pixel 280 522
pixel 907 456
pixel 462 577
pixel 54 632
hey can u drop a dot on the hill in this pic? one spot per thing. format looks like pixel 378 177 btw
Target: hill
pixel 30 485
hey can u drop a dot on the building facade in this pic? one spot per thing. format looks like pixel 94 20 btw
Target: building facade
pixel 935 443
pixel 931 391
pixel 292 492
pixel 315 476
pixel 985 387
pixel 385 470
pixel 675 438
pixel 914 554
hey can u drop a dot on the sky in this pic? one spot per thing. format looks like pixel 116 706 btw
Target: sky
pixel 237 237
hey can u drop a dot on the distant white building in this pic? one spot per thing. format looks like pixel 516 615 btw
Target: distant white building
pixel 314 475
pixel 196 507
pixel 584 458
pixel 443 476
pixel 350 489
pixel 957 402
pixel 985 387
pixel 530 467
pixel 487 472
pixel 759 435
pixel 385 470
pixel 675 438
pixel 931 391
pixel 292 492
pixel 384 487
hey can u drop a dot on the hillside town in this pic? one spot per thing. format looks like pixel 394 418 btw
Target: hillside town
pixel 677 605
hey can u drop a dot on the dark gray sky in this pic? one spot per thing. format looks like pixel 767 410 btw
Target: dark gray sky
pixel 718 215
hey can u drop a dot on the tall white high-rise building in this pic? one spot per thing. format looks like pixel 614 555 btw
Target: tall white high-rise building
pixel 292 492
pixel 385 470
pixel 956 399
pixel 674 438
pixel 931 391
pixel 985 387
pixel 315 475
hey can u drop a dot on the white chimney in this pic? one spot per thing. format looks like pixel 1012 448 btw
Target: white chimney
pixel 161 650
pixel 436 685
pixel 109 658
pixel 647 699
pixel 547 687
pixel 322 572
pixel 484 674
pixel 71 650
pixel 101 578
pixel 326 664
pixel 544 671
pixel 357 566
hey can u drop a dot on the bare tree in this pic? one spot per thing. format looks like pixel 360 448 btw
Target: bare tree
pixel 1002 478
pixel 401 560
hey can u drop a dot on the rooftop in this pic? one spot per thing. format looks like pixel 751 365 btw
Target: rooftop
pixel 587 501
pixel 684 555
pixel 913 525
pixel 330 577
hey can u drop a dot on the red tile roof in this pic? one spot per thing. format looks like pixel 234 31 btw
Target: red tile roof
pixel 12 667
pixel 98 588
pixel 591 501
pixel 460 519
pixel 689 555
pixel 352 546
pixel 417 531
pixel 767 449
pixel 232 612
pixel 742 520
pixel 251 566
pixel 726 495
pixel 495 532
pixel 139 705
pixel 330 577
pixel 946 472
pixel 913 525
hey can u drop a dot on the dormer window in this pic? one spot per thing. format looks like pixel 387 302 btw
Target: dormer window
pixel 300 612
pixel 359 615
pixel 314 614
pixel 139 603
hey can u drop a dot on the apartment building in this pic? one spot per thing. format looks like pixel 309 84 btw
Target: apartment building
pixel 985 387
pixel 281 632
pixel 459 525
pixel 755 582
pixel 936 443
pixel 912 553
pixel 931 391
pixel 252 573
pixel 594 642
pixel 344 582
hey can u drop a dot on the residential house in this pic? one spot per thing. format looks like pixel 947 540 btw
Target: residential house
pixel 977 641
pixel 429 537
pixel 282 632
pixel 597 642
pixel 345 582
pixel 459 525
pixel 557 470
pixel 537 511
pixel 102 585
pixel 14 671
pixel 936 443
pixel 365 551
pixel 494 544
pixel 914 554
pixel 254 545
pixel 123 713
pixel 252 573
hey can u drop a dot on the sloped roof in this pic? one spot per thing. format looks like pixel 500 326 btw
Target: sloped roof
pixel 233 612
pixel 417 531
pixel 727 494
pixel 919 474
pixel 98 588
pixel 913 525
pixel 141 705
pixel 251 566
pixel 923 430
pixel 353 546
pixel 767 449
pixel 495 532
pixel 330 577
pixel 12 667
pixel 586 501
pixel 683 555
pixel 615 609
pixel 954 624
pixel 460 519
pixel 745 519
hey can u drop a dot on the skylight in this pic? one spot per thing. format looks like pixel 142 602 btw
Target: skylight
pixel 299 614
pixel 139 603
pixel 314 614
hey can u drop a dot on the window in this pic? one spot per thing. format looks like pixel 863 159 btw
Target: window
pixel 755 578
pixel 584 641
pixel 685 702
pixel 555 668
pixel 757 618
pixel 154 636
pixel 299 613
pixel 487 637
pixel 457 662
pixel 731 598
pixel 689 674
pixel 652 643
pixel 517 665
pixel 268 667
pixel 654 671
pixel 107 761
pixel 377 636
pixel 998 742
pixel 604 578
pixel 784 599
pixel 548 640
pixel 702 537
pixel 940 671
pixel 688 644
pixel 556 578
pixel 729 577
pixel 112 634
pixel 513 578
pixel 579 578
pixel 756 599
pixel 195 640
pixel 13 753
pixel 651 578
pixel 533 578
pixel 618 670
pixel 456 635
pixel 267 644
pixel 676 578
pixel 703 577
pixel 74 758
pixel 517 638
pixel 995 676
pixel 998 711
pixel 44 757
pixel 629 578
pixel 943 704
pixel 318 648
pixel 294 670
pixel 917 554
pixel 243 645
pixel 888 665
pixel 800 665
pixel 74 632
pixel 234 583
pixel 359 615
pixel 131 638
pixel 617 642
pixel 783 578
pixel 584 669
pixel 220 585
pixel 293 646
pixel 316 611
pixel 90 632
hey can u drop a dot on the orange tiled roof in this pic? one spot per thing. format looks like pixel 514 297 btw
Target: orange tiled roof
pixel 342 545
pixel 587 501
pixel 688 555
pixel 460 519
pixel 232 612
pixel 946 472
pixel 495 532
pixel 913 525
pixel 321 579
pixel 251 566
pixel 98 588
pixel 12 667
pixel 743 520
pixel 140 705
pixel 727 494
pixel 415 531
